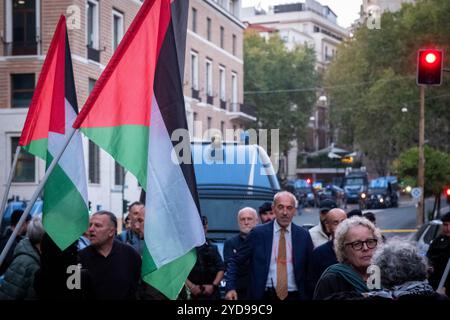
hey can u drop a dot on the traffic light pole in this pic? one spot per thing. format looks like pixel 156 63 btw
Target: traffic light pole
pixel 421 170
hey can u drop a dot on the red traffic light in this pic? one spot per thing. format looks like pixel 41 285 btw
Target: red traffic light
pixel 429 67
pixel 447 192
pixel 430 57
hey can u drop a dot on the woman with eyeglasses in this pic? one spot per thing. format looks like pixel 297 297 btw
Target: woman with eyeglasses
pixel 355 242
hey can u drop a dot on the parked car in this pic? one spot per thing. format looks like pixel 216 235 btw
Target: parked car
pixel 382 193
pixel 332 192
pixel 426 233
pixel 304 193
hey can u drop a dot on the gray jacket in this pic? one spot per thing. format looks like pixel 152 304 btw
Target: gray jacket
pixel 19 277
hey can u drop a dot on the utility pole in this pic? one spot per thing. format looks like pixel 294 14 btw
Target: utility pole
pixel 429 72
pixel 421 169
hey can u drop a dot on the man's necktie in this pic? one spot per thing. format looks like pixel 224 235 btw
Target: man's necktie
pixel 281 288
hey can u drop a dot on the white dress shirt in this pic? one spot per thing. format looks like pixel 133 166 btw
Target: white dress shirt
pixel 272 276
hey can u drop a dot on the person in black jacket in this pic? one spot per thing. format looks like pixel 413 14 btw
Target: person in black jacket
pixel 15 217
pixel 439 254
pixel 204 279
pixel 247 219
pixel 355 242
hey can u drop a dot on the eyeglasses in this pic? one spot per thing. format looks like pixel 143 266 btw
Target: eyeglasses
pixel 358 245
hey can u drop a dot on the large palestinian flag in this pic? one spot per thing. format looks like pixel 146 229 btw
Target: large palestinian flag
pixel 131 113
pixel 50 117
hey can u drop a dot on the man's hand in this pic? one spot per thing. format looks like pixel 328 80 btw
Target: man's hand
pixel 231 295
pixel 196 290
pixel 208 289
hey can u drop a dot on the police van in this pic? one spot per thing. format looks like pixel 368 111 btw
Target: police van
pixel 231 176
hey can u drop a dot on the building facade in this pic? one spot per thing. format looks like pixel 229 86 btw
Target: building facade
pixel 213 80
pixel 214 69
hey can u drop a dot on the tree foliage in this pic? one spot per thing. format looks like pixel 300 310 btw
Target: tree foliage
pixel 437 169
pixel 373 78
pixel 272 73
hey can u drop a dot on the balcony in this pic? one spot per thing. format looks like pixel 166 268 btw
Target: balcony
pixel 209 99
pixel 248 109
pixel 20 48
pixel 242 112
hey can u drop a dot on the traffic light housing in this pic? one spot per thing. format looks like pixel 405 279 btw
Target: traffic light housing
pixel 429 67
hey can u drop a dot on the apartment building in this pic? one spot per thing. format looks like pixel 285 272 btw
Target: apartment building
pixel 95 29
pixel 214 69
pixel 213 80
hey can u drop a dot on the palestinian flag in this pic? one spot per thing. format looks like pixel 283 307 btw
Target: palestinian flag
pixel 51 114
pixel 131 113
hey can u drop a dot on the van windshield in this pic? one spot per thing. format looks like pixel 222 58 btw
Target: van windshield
pixel 230 165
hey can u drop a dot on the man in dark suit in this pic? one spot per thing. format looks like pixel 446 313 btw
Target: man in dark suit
pixel 279 253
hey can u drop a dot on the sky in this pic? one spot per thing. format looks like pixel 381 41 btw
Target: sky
pixel 346 10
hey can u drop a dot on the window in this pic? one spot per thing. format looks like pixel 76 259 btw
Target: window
pixel 23 27
pixel 234 44
pixel 195 133
pixel 194 70
pixel 91 84
pixel 222 37
pixel 117 28
pixel 222 87
pixel 208 29
pixel 209 89
pixel 26 164
pixel 92 16
pixel 316 29
pixel 234 92
pixel 119 174
pixel 194 19
pixel 22 88
pixel 94 163
pixel 222 129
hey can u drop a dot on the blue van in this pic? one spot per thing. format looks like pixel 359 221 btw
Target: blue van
pixel 19 205
pixel 231 176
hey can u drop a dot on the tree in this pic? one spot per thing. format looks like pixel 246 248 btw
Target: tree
pixel 437 171
pixel 373 78
pixel 272 73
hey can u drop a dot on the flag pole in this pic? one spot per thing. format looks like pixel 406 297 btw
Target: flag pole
pixel 8 184
pixel 35 196
pixel 444 277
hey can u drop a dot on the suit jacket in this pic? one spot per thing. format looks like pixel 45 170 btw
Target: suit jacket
pixel 257 249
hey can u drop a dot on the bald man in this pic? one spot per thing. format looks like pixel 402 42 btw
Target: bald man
pixel 247 219
pixel 324 255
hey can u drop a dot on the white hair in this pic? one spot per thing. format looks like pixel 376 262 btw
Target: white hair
pixel 253 211
pixel 342 230
pixel 35 230
pixel 280 193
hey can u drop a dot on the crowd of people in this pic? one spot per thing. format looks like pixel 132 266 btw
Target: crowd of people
pixel 271 258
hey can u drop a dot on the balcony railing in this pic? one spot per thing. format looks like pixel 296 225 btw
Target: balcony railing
pixel 20 48
pixel 248 109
